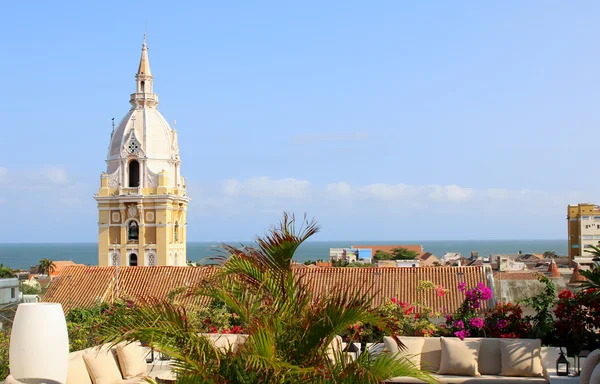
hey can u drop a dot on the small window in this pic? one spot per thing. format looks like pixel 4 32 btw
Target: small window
pixel 596 218
pixel 575 246
pixel 13 293
pixel 585 217
pixel 133 260
pixel 587 246
pixel 587 237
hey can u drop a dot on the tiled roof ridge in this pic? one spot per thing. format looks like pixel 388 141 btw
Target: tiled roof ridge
pixel 80 286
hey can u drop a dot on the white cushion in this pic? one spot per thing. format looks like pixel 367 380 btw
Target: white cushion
pixel 102 366
pixel 459 357
pixel 412 352
pixel 589 365
pixel 595 377
pixel 77 372
pixel 132 359
pixel 521 357
pixel 334 349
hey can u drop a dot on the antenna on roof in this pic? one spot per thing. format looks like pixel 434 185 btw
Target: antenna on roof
pixel 113 125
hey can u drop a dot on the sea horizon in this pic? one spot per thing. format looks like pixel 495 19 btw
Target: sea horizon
pixel 25 255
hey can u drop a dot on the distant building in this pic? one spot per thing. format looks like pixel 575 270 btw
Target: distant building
pixel 507 263
pixel 450 257
pixel 9 290
pixel 583 230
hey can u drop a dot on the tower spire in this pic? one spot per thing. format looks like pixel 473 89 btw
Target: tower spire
pixel 144 96
pixel 144 68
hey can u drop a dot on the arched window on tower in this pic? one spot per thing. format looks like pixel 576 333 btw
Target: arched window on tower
pixel 143 87
pixel 134 174
pixel 132 231
pixel 176 232
pixel 133 260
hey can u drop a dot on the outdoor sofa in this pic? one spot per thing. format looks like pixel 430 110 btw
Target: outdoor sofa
pixel 477 360
pixel 126 363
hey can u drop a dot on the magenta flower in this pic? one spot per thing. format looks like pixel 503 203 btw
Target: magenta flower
pixel 477 322
pixel 462 286
pixel 462 334
pixel 459 324
pixel 502 324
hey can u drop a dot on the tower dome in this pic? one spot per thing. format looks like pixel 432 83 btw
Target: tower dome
pixel 144 133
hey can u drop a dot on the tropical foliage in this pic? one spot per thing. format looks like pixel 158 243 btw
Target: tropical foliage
pixel 289 330
pixel 46 267
pixel 542 303
pixel 4 347
pixel 396 254
pixel 6 271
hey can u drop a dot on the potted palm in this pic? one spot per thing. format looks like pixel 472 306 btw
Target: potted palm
pixel 289 329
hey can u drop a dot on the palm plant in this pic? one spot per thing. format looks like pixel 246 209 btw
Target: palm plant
pixel 46 267
pixel 593 274
pixel 5 271
pixel 289 329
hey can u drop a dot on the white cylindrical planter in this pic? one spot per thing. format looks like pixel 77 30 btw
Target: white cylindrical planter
pixel 39 343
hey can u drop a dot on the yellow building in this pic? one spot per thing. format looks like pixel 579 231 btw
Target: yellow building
pixel 583 230
pixel 142 201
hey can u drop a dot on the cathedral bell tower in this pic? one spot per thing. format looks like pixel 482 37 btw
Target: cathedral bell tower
pixel 142 201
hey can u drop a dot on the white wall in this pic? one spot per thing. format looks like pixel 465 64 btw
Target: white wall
pixel 7 288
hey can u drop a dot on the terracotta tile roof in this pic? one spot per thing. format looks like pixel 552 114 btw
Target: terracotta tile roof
pixel 388 248
pixel 529 275
pixel 84 286
pixel 576 277
pixel 59 265
pixel 553 269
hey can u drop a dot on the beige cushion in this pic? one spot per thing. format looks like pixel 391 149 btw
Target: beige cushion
pixel 334 349
pixel 489 358
pixel 595 377
pixel 102 366
pixel 77 372
pixel 412 351
pixel 451 379
pixel 223 341
pixel 459 357
pixel 590 363
pixel 132 359
pixel 521 357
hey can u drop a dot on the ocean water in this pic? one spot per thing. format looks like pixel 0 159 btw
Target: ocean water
pixel 25 255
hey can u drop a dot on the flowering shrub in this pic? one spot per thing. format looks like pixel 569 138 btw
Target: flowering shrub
pixel 405 318
pixel 506 320
pixel 4 346
pixel 216 318
pixel 466 321
pixel 577 318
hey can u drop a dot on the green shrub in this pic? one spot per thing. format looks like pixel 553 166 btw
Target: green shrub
pixel 4 346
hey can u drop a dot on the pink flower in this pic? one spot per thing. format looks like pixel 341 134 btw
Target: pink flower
pixel 462 286
pixel 502 324
pixel 476 322
pixel 394 300
pixel 459 324
pixel 462 334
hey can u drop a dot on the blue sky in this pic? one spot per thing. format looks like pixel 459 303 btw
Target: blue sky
pixel 386 121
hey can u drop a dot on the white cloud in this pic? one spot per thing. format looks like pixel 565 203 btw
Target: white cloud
pixel 357 136
pixel 264 187
pixel 55 174
pixel 451 193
